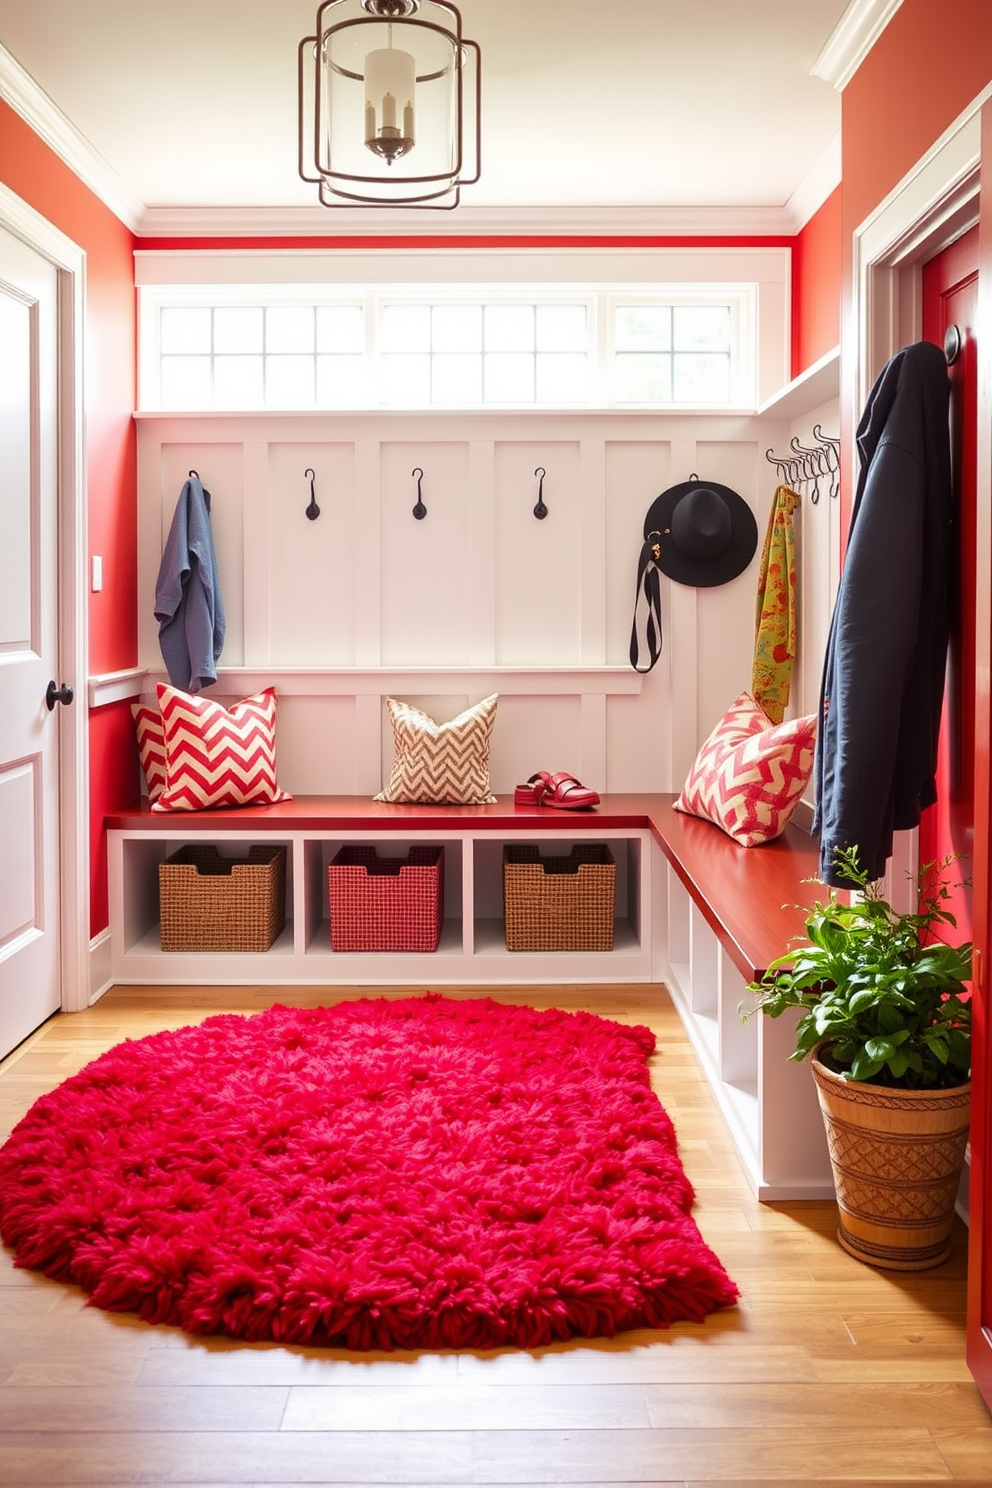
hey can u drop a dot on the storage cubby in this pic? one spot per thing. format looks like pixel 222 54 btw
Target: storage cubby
pixel 472 946
pixel 734 922
pixel 631 882
pixel 138 898
pixel 319 852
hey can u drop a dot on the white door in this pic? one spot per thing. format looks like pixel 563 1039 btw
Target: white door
pixel 30 920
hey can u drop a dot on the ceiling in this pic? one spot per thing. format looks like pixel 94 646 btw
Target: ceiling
pixel 692 112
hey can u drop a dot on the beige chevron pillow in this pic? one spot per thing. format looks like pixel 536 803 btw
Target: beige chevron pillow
pixel 440 764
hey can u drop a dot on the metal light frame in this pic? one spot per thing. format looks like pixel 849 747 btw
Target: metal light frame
pixel 388 178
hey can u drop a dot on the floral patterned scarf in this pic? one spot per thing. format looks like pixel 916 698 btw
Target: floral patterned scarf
pixel 775 618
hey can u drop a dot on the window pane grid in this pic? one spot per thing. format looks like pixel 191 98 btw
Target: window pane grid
pixel 383 351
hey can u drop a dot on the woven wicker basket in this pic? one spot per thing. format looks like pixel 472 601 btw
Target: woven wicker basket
pixel 386 904
pixel 559 904
pixel 211 903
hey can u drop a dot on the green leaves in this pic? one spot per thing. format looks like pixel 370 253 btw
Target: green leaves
pixel 878 988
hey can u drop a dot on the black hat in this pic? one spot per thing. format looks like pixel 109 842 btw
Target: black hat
pixel 701 534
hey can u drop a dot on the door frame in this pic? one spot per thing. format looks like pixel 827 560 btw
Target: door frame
pixel 69 261
pixel 932 206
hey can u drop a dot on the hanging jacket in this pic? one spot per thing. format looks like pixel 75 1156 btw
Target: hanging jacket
pixel 883 676
pixel 188 603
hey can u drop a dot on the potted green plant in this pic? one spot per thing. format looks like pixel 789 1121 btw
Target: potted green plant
pixel 884 1016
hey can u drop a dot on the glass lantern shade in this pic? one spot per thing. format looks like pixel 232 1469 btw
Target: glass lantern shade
pixel 386 88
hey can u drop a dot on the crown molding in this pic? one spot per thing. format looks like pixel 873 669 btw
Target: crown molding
pixel 465 221
pixel 19 89
pixel 852 39
pixel 818 183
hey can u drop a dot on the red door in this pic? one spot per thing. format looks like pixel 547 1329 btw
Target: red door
pixel 960 821
pixel 950 299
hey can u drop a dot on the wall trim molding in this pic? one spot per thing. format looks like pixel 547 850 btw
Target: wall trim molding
pixel 933 204
pixel 852 39
pixel 559 681
pixel 613 223
pixel 19 89
pixel 100 965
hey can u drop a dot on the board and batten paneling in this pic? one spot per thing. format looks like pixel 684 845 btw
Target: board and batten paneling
pixel 480 595
pixel 307 566
pixel 540 597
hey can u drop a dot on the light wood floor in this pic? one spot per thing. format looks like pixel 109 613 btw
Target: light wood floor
pixel 827 1371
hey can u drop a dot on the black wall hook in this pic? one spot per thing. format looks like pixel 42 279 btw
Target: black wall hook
pixel 313 510
pixel 192 473
pixel 420 510
pixel 540 510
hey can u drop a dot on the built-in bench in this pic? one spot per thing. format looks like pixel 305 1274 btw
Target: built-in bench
pixel 751 898
pixel 729 911
pixel 694 910
pixel 748 897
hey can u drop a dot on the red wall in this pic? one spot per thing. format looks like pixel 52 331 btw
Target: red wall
pixel 36 175
pixel 931 61
pixel 816 277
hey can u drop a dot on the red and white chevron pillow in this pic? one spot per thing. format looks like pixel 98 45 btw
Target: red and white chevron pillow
pixel 151 747
pixel 750 773
pixel 217 756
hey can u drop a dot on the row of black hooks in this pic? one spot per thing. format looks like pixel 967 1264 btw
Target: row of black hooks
pixel 419 509
pixel 809 465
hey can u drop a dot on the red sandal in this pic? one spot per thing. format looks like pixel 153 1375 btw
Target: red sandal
pixel 565 791
pixel 532 792
pixel 561 790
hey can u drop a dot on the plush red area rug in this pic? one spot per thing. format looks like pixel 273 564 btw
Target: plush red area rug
pixel 419 1173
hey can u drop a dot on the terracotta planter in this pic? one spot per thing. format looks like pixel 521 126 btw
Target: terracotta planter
pixel 897 1157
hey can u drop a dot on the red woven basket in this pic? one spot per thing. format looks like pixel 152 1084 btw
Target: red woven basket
pixel 386 904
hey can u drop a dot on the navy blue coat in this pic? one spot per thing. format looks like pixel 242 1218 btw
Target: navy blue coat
pixel 188 604
pixel 883 676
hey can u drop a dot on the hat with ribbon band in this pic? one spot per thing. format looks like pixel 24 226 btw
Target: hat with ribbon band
pixel 698 533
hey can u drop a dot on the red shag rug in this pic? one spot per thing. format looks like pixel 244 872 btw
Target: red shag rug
pixel 421 1173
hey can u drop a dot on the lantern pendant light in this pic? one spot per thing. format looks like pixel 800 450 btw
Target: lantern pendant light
pixel 389 104
pixel 390 89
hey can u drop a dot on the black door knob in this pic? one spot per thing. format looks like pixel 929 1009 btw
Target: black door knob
pixel 54 694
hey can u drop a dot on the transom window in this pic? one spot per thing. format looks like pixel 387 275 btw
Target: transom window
pixel 673 354
pixel 445 347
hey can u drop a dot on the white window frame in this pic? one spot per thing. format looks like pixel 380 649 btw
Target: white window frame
pixel 755 282
pixel 740 299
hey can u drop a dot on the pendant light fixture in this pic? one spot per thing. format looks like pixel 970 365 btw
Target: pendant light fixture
pixel 389 104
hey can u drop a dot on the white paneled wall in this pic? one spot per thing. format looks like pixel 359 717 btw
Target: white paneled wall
pixel 480 595
pixel 308 570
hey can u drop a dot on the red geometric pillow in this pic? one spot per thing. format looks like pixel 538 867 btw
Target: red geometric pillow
pixel 151 747
pixel 217 756
pixel 750 773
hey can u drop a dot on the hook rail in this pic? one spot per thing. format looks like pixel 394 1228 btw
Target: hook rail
pixel 807 465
